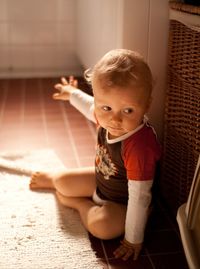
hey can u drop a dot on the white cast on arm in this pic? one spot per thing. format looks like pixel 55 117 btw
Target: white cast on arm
pixel 84 103
pixel 137 210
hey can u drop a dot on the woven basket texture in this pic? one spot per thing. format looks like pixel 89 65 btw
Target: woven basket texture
pixel 182 114
pixel 185 7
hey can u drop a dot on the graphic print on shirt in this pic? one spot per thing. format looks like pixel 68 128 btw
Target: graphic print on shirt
pixel 104 163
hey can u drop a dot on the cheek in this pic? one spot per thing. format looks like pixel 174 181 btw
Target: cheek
pixel 101 117
pixel 133 122
pixel 128 124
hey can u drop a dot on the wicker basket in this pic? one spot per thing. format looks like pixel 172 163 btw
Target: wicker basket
pixel 182 115
pixel 185 7
pixel 184 52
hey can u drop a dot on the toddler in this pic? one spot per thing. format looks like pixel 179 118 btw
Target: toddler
pixel 112 198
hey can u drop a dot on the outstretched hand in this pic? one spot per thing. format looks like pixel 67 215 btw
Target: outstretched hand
pixel 126 249
pixel 65 88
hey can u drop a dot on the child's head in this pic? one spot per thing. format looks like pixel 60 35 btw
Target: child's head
pixel 122 68
pixel 122 86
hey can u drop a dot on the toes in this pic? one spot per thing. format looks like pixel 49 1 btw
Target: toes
pixel 32 185
pixel 35 175
pixel 33 180
pixel 41 180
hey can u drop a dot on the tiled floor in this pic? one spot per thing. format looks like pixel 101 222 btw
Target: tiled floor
pixel 30 119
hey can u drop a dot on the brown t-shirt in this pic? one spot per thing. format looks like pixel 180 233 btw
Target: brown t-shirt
pixel 133 158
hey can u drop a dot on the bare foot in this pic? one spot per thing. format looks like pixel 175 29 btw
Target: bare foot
pixel 41 180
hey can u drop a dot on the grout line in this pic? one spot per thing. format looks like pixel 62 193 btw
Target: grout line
pixel 42 108
pixel 5 94
pixel 149 257
pixel 105 254
pixel 68 129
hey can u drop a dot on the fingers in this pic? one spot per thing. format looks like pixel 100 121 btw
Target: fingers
pixel 65 88
pixel 64 81
pixel 73 82
pixel 136 254
pixel 56 96
pixel 126 249
pixel 119 252
pixel 127 255
pixel 58 87
pixel 61 96
pixel 123 252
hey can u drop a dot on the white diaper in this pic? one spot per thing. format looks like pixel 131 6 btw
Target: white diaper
pixel 97 199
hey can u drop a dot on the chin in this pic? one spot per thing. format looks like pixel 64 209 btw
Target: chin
pixel 116 133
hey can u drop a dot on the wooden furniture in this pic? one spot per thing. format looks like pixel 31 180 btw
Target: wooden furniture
pixel 182 113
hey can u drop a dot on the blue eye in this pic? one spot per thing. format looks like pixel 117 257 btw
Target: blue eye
pixel 128 110
pixel 106 108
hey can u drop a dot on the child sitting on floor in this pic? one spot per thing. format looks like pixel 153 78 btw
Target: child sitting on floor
pixel 112 198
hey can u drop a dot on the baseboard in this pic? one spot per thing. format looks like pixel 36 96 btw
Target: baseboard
pixel 40 73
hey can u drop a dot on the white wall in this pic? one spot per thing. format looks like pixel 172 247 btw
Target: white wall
pixel 157 59
pixel 136 25
pixel 37 38
pixel 98 28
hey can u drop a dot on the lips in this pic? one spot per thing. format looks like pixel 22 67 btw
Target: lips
pixel 115 128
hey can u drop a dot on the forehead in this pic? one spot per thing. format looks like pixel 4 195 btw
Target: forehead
pixel 128 94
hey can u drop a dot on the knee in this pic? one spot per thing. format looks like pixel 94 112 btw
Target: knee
pixel 62 183
pixel 102 228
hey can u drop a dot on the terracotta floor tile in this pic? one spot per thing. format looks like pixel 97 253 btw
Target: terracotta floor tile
pixel 87 161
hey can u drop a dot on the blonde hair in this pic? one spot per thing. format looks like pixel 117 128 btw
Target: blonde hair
pixel 121 67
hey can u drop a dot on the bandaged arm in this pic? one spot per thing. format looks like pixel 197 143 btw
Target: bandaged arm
pixel 137 210
pixel 84 103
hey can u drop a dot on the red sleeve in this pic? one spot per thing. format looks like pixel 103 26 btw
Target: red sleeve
pixel 140 152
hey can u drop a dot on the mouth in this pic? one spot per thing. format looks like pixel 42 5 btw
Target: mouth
pixel 114 128
pixel 115 131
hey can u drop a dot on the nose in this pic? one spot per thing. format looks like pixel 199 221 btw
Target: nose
pixel 116 117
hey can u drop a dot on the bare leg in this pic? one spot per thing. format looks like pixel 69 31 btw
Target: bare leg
pixel 74 188
pixel 105 222
pixel 76 182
